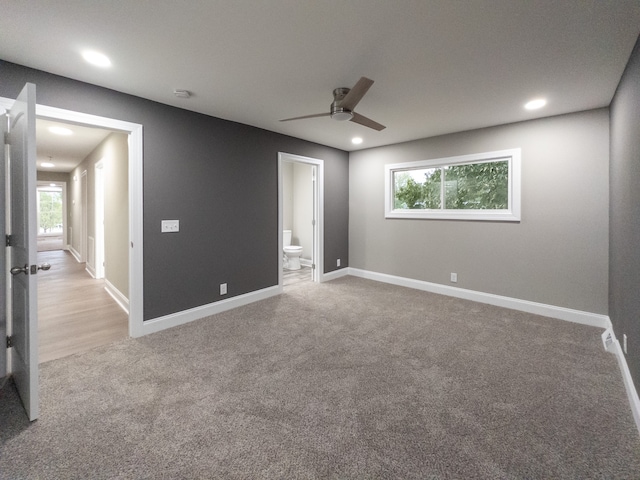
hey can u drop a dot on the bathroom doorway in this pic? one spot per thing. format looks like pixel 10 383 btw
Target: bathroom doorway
pixel 300 210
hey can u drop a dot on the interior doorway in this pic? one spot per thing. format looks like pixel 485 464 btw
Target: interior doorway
pixel 82 304
pixel 300 217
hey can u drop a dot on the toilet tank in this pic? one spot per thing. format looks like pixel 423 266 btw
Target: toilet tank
pixel 286 238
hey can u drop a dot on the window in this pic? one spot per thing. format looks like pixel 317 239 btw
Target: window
pixel 484 186
pixel 49 210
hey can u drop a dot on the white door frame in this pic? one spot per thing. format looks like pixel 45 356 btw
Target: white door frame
pixel 318 202
pixel 134 130
pixel 98 266
pixel 84 205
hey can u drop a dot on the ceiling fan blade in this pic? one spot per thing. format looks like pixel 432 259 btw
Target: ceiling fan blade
pixel 307 116
pixel 352 98
pixel 367 122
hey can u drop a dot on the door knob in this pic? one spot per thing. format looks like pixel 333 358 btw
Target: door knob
pixel 44 266
pixel 18 270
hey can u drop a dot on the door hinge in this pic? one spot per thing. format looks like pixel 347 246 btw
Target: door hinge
pixel 9 241
pixel 313 266
pixel 9 342
pixel 7 138
pixel 313 222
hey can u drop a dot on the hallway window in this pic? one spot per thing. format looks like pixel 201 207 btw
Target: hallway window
pixel 49 210
pixel 482 186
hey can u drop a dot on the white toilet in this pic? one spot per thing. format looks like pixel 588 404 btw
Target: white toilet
pixel 291 252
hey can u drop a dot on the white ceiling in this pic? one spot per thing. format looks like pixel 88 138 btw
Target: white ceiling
pixel 65 152
pixel 439 66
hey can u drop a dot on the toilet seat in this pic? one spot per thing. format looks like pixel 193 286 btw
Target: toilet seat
pixel 292 249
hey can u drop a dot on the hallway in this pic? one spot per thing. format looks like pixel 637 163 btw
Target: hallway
pixel 75 313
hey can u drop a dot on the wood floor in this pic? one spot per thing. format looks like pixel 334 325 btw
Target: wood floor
pixel 75 313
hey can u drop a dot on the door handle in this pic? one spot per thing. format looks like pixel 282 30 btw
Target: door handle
pixel 25 269
pixel 18 270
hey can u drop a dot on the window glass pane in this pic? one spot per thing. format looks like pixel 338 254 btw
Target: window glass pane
pixel 478 186
pixel 417 189
pixel 50 218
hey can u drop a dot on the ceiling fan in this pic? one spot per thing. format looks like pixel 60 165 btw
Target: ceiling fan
pixel 344 101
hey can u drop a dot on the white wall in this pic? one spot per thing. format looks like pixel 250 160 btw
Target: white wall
pixel 557 254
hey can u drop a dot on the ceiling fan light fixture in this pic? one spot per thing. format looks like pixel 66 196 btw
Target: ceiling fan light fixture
pixel 341 114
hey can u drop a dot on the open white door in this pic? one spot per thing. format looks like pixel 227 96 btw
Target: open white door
pixel 4 271
pixel 22 256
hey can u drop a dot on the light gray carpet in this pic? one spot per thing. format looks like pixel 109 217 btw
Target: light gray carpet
pixel 348 379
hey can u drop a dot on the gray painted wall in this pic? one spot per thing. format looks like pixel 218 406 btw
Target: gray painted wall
pixel 194 167
pixel 557 254
pixel 624 256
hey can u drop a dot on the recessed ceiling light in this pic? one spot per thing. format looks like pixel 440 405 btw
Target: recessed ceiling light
pixel 535 104
pixel 47 165
pixel 356 140
pixel 96 58
pixel 60 130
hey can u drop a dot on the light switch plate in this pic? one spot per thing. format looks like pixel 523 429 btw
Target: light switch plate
pixel 170 226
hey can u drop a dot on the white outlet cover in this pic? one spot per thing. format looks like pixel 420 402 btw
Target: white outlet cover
pixel 170 226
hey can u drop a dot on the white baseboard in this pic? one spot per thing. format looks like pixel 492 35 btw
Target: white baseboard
pixel 75 254
pixel 186 316
pixel 342 272
pixel 632 393
pixel 562 313
pixel 117 295
pixel 90 270
pixel 306 262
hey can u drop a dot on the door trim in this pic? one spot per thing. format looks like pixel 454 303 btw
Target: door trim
pixel 318 240
pixel 135 133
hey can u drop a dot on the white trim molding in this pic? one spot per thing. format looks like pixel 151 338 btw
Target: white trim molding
pixel 75 253
pixel 561 313
pixel 632 393
pixel 342 272
pixel 117 295
pixel 192 314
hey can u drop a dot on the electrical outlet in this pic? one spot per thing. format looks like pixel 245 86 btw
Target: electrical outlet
pixel 223 289
pixel 338 263
pixel 170 226
pixel 624 343
pixel 454 277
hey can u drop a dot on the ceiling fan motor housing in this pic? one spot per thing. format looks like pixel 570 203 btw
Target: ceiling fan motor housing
pixel 337 112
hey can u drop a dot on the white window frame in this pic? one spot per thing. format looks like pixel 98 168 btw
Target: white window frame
pixel 510 214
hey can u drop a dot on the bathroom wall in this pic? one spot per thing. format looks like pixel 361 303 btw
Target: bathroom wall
pixel 303 209
pixel 297 205
pixel 287 196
